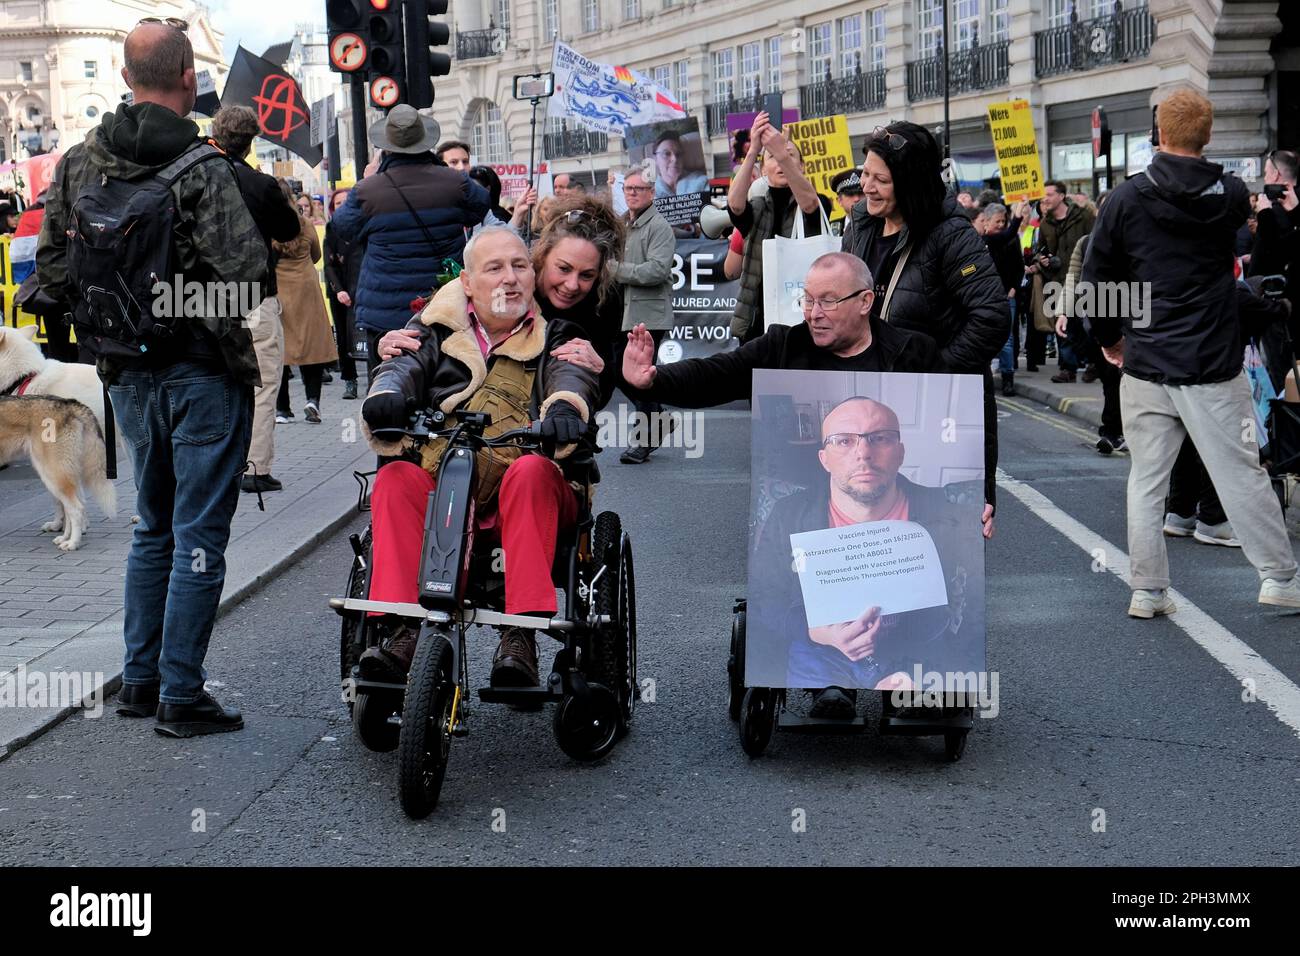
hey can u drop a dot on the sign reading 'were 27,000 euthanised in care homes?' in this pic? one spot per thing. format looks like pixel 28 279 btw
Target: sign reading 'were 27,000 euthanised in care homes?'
pixel 1016 144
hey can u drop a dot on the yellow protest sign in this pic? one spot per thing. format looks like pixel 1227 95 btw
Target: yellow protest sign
pixel 824 143
pixel 1016 144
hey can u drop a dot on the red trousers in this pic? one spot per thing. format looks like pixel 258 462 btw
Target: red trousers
pixel 534 503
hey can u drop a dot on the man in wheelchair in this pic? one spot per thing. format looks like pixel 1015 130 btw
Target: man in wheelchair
pixel 484 347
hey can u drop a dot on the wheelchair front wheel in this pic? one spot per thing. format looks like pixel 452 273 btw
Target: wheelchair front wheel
pixel 370 713
pixel 587 726
pixel 736 664
pixel 352 640
pixel 757 719
pixel 425 741
pixel 613 646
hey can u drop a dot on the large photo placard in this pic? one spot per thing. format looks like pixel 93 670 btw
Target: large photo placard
pixel 866 562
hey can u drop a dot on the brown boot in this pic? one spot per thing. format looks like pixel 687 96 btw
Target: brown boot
pixel 392 659
pixel 515 663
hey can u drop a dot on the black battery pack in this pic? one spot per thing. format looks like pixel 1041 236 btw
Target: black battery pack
pixel 449 533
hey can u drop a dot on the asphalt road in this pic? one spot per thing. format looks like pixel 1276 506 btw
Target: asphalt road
pixel 1098 712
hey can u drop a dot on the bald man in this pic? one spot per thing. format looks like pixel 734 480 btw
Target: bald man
pixel 183 400
pixel 862 452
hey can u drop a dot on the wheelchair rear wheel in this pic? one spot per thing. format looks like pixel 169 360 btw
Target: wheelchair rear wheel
pixel 613 646
pixel 425 740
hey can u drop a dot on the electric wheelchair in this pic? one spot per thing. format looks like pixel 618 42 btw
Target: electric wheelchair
pixel 593 677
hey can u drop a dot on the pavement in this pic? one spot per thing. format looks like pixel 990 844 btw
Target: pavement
pixel 61 612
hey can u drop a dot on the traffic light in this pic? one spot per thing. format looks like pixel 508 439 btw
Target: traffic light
pixel 426 61
pixel 349 34
pixel 386 66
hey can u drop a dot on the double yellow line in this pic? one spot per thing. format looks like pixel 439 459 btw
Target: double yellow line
pixel 1065 425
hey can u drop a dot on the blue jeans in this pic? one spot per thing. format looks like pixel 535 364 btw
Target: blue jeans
pixel 187 428
pixel 1007 357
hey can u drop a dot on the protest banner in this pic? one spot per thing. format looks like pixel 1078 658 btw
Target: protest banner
pixel 514 180
pixel 866 494
pixel 703 302
pixel 1016 145
pixel 604 97
pixel 824 143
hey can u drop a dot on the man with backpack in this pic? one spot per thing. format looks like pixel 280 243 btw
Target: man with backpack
pixel 141 205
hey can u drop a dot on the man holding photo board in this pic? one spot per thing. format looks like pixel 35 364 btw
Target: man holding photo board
pixel 838 334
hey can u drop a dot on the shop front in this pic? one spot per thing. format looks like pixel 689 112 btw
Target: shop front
pixel 1069 135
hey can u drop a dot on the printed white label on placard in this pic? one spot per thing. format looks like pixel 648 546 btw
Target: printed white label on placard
pixel 892 565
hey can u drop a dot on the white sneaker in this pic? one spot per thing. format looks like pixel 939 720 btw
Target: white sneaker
pixel 1280 593
pixel 1176 527
pixel 1148 604
pixel 1216 534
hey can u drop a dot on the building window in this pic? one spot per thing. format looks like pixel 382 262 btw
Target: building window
pixel 502 15
pixel 489 136
pixel 820 52
pixel 1058 13
pixel 929 27
pixel 877 20
pixel 91 70
pixel 663 76
pixel 33 114
pixel 590 16
pixel 25 71
pixel 682 84
pixel 631 9
pixel 724 75
pixel 550 19
pixel 965 24
pixel 773 45
pixel 849 31
pixel 999 21
pixel 751 69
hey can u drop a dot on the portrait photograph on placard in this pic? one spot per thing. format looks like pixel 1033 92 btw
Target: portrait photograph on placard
pixel 675 151
pixel 866 560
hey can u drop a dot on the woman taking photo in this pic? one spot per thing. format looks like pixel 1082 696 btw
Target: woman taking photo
pixel 933 273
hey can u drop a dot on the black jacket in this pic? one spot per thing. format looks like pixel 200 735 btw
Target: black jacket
pixel 945 638
pixel 1004 248
pixel 1276 248
pixel 600 324
pixel 725 377
pixel 275 216
pixel 1173 226
pixel 342 265
pixel 949 288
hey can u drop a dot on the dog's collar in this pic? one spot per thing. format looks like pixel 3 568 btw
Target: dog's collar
pixel 20 386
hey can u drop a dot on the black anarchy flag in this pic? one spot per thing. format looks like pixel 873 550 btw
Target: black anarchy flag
pixel 275 96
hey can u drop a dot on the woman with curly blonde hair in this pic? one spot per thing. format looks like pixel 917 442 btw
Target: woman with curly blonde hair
pixel 573 259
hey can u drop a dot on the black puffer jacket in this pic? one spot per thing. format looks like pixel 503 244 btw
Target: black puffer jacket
pixel 949 288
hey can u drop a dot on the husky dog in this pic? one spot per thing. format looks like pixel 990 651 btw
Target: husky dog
pixel 66 448
pixel 24 370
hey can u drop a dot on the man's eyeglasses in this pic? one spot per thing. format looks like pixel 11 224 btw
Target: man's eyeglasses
pixel 844 442
pixel 636 189
pixel 169 21
pixel 882 135
pixel 828 306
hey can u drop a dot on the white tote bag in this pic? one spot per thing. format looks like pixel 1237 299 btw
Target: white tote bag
pixel 785 263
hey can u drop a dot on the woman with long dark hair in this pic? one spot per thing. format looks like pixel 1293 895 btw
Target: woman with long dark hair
pixel 932 271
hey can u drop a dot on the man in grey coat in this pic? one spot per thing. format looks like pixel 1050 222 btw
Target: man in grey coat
pixel 645 273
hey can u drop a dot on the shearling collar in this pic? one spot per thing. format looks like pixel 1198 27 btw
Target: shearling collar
pixel 449 309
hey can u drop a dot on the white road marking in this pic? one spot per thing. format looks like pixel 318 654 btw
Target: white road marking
pixel 1271 686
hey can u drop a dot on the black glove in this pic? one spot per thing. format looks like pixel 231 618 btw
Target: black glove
pixel 385 410
pixel 563 423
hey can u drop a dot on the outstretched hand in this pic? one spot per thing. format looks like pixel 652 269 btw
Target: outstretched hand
pixel 639 358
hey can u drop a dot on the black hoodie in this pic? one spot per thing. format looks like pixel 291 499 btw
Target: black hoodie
pixel 1173 226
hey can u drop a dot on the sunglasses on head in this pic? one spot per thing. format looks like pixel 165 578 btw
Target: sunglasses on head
pixel 882 136
pixel 168 21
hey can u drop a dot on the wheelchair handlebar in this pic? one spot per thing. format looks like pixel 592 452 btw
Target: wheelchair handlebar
pixel 529 437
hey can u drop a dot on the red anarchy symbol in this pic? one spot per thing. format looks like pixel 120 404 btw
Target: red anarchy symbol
pixel 276 101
